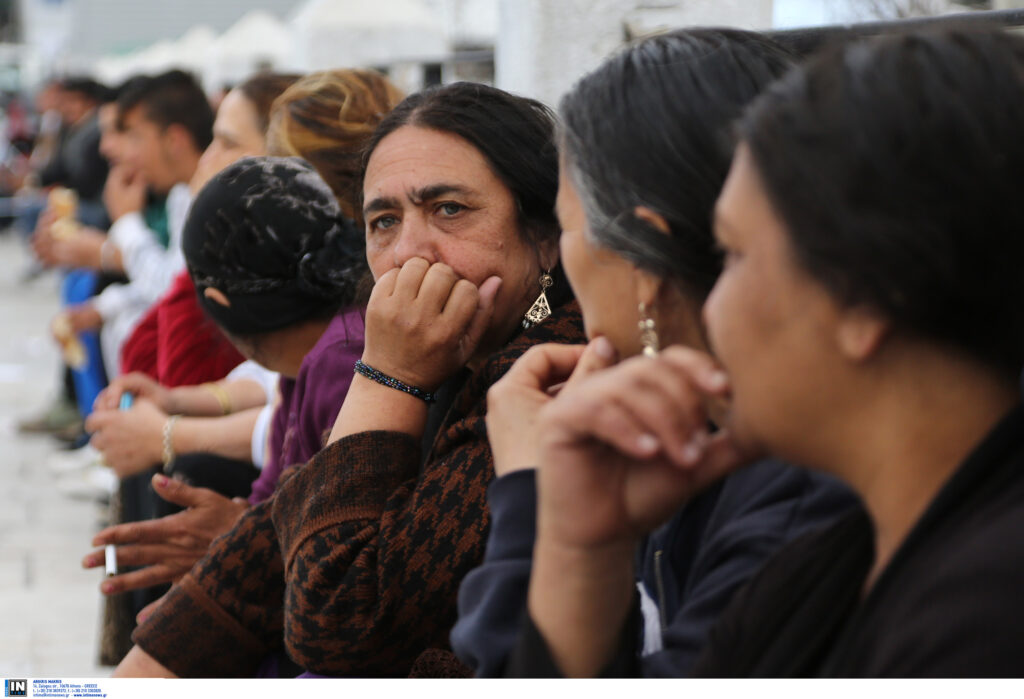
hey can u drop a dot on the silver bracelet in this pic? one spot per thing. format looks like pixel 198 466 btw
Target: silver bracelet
pixel 168 444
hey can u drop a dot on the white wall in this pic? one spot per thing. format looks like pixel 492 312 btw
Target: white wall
pixel 543 46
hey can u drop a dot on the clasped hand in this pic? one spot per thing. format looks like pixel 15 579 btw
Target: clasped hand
pixel 621 447
pixel 423 322
pixel 140 386
pixel 80 247
pixel 131 441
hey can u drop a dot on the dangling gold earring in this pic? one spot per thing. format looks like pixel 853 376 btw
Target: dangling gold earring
pixel 540 309
pixel 648 333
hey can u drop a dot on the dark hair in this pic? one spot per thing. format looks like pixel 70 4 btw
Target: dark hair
pixel 88 88
pixel 170 98
pixel 514 134
pixel 268 233
pixel 652 126
pixel 262 89
pixel 894 164
pixel 129 85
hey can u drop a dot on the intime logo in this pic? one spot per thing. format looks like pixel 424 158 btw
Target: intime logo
pixel 15 688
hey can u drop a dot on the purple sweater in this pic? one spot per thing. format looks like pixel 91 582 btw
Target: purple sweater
pixel 310 402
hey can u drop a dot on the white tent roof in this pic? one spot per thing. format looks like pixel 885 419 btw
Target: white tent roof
pixel 353 33
pixel 194 47
pixel 156 58
pixel 322 34
pixel 113 69
pixel 188 52
pixel 256 41
pixel 257 32
pixel 361 14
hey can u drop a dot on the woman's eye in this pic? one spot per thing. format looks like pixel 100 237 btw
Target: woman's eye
pixel 450 208
pixel 383 223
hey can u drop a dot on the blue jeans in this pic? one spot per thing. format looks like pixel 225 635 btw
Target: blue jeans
pixel 78 286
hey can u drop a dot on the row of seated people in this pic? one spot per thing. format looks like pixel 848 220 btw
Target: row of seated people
pixel 176 344
pixel 125 159
pixel 150 133
pixel 716 373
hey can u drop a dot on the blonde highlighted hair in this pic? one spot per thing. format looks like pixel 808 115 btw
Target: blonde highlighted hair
pixel 327 118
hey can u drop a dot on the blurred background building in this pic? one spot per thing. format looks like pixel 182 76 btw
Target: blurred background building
pixel 533 47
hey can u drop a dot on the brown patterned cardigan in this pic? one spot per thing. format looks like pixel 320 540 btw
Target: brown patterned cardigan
pixel 354 565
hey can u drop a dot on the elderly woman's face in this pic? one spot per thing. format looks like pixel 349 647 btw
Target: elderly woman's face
pixel 771 325
pixel 602 281
pixel 431 194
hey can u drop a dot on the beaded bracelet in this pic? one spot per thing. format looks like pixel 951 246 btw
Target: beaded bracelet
pixel 391 382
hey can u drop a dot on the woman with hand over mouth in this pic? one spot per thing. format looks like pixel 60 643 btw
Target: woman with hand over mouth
pixel 354 564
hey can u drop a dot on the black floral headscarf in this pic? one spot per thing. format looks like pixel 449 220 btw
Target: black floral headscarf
pixel 268 233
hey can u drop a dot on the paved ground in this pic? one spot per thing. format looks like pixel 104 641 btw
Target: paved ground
pixel 49 606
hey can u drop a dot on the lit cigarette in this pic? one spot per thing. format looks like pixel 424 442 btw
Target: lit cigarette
pixel 111 553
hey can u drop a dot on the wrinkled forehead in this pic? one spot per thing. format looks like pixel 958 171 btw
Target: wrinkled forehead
pixel 413 158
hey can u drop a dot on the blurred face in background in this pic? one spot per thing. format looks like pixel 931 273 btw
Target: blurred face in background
pixel 111 137
pixel 74 106
pixel 236 135
pixel 62 104
pixel 149 149
pixel 48 98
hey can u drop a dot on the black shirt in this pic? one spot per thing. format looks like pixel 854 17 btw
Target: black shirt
pixel 950 603
pixel 78 164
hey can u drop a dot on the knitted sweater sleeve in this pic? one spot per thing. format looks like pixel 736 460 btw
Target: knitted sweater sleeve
pixel 357 558
pixel 374 549
pixel 375 544
pixel 225 616
pixel 369 546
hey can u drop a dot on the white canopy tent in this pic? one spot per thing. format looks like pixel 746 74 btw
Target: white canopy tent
pixel 258 41
pixel 355 33
pixel 321 35
pixel 193 48
pixel 155 58
pixel 114 69
pixel 189 53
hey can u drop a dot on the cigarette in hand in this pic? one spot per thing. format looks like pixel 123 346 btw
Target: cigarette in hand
pixel 111 555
